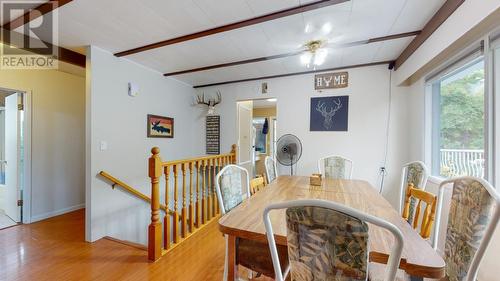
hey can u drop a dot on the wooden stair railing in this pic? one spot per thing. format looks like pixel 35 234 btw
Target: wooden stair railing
pixel 189 212
pixel 129 189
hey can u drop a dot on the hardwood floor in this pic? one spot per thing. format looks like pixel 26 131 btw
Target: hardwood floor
pixel 5 221
pixel 55 249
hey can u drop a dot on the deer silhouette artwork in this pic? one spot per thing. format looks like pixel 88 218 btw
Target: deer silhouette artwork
pixel 160 129
pixel 328 113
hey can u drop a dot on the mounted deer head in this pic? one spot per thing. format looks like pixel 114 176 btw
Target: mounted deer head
pixel 328 114
pixel 211 102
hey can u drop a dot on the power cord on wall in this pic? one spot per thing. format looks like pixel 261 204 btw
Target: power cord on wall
pixel 383 169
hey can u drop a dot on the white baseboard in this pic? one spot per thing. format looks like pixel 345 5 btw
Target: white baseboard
pixel 56 213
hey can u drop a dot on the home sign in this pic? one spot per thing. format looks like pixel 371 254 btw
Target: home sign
pixel 332 80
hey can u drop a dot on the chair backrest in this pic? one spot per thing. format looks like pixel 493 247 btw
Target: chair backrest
pixel 328 241
pixel 270 165
pixel 429 214
pixel 415 172
pixel 232 187
pixel 336 167
pixel 473 217
pixel 257 184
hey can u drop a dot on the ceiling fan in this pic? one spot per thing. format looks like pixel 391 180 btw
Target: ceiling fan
pixel 314 54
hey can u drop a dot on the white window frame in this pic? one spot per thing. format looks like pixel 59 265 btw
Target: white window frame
pixel 492 122
pixel 494 86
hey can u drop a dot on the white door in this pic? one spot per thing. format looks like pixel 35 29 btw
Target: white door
pixel 245 145
pixel 12 146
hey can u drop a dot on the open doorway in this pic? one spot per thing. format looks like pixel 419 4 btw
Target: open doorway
pixel 257 124
pixel 12 156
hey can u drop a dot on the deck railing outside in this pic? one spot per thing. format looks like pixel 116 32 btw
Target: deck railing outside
pixel 462 162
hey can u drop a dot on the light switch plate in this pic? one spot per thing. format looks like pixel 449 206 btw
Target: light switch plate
pixel 103 146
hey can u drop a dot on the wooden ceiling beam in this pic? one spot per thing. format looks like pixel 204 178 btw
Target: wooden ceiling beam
pixel 294 73
pixel 432 25
pixel 233 26
pixel 35 13
pixel 362 42
pixel 234 63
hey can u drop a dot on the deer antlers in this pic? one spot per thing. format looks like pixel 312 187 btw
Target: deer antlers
pixel 321 107
pixel 211 102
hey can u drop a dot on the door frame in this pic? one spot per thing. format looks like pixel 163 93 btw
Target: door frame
pixel 27 127
pixel 238 123
pixel 238 156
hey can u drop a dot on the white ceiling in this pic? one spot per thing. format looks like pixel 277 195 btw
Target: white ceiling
pixel 118 25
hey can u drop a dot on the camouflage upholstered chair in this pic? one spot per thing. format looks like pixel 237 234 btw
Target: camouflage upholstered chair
pixel 473 216
pixel 270 165
pixel 328 241
pixel 415 173
pixel 232 187
pixel 336 167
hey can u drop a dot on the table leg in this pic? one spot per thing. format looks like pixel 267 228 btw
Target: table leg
pixel 232 268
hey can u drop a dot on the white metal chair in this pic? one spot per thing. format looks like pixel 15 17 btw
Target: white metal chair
pixel 332 238
pixel 231 190
pixel 473 217
pixel 415 172
pixel 270 165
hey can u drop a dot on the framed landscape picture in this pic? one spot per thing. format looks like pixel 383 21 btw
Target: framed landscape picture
pixel 160 126
pixel 329 113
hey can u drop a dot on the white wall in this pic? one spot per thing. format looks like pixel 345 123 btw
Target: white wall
pixel 120 121
pixel 58 116
pixel 365 140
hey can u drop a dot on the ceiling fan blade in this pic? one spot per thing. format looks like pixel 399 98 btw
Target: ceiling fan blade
pixel 346 45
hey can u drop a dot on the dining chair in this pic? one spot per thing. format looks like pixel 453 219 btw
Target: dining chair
pixel 473 217
pixel 270 165
pixel 336 167
pixel 415 172
pixel 328 241
pixel 429 214
pixel 232 187
pixel 257 184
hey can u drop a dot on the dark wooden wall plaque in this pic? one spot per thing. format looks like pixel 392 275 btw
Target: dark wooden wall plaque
pixel 332 80
pixel 213 134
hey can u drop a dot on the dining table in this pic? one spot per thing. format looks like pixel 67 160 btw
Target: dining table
pixel 245 222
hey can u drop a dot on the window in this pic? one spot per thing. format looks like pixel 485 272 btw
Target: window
pixel 458 120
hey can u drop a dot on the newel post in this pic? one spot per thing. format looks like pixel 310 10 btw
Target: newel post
pixel 233 151
pixel 154 229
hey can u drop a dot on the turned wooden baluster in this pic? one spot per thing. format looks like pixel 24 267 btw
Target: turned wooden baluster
pixel 198 195
pixel 203 200
pixel 154 229
pixel 214 197
pixel 184 210
pixel 176 212
pixel 166 219
pixel 191 198
pixel 209 190
pixel 234 154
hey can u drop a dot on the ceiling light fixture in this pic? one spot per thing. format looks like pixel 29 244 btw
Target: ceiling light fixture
pixel 326 28
pixel 314 53
pixel 272 99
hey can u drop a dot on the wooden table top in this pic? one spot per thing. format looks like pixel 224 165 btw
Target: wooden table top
pixel 245 221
